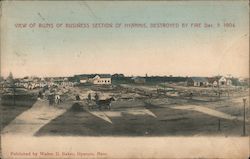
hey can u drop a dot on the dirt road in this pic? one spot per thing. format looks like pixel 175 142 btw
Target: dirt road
pixel 30 121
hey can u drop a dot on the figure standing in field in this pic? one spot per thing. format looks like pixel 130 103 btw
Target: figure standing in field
pixel 40 95
pixel 89 101
pixel 51 99
pixel 191 95
pixel 96 97
pixel 89 97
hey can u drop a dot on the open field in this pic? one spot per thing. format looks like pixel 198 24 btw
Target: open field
pixel 138 110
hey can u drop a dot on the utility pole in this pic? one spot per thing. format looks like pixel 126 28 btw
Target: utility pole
pixel 14 95
pixel 219 129
pixel 218 88
pixel 244 117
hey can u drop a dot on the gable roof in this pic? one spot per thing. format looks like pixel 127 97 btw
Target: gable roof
pixel 216 78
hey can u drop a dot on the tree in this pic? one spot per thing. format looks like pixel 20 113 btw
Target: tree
pixel 10 77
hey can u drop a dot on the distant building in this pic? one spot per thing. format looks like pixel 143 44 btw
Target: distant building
pixel 219 81
pixel 139 80
pixel 197 81
pixel 101 79
pixel 213 81
pixel 83 80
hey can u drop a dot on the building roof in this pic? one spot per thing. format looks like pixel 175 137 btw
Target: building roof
pixel 199 79
pixel 216 78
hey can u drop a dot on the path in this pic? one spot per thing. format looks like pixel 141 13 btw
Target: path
pixel 209 111
pixel 30 121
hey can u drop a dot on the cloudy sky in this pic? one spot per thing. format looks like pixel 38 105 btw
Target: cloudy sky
pixel 135 51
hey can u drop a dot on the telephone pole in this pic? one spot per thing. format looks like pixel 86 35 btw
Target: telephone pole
pixel 244 117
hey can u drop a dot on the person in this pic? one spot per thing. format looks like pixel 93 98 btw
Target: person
pixel 89 97
pixel 191 95
pixel 51 99
pixel 96 97
pixel 40 95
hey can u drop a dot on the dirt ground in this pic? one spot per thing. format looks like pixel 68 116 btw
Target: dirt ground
pixel 166 121
pixel 137 111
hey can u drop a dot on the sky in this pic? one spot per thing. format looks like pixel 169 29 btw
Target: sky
pixel 131 51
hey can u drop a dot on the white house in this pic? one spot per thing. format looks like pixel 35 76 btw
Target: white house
pixel 222 81
pixel 219 81
pixel 101 79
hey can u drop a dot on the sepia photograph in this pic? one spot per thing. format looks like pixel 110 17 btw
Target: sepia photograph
pixel 124 79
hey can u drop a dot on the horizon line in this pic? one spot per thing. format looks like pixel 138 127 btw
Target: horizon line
pixel 126 75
